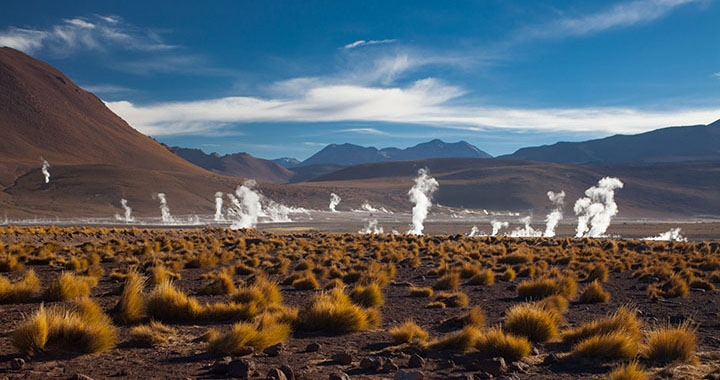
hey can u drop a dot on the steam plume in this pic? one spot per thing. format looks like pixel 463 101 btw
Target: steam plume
pixel 526 230
pixel 334 201
pixel 674 234
pixel 556 215
pixel 127 218
pixel 164 209
pixel 420 194
pixel 45 171
pixel 248 208
pixel 475 232
pixel 371 228
pixel 218 207
pixel 596 209
pixel 497 226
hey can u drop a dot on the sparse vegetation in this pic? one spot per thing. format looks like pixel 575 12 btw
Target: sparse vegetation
pixel 594 293
pixel 613 346
pixel 408 332
pixel 671 344
pixel 533 322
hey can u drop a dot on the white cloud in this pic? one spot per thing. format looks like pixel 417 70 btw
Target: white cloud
pixel 107 89
pixel 717 74
pixel 624 14
pixel 96 33
pixel 370 131
pixel 360 43
pixel 427 101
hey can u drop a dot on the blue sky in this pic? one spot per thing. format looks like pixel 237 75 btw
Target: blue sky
pixel 285 78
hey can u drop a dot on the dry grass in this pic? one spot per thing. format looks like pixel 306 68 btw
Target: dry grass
pixel 367 296
pixel 508 275
pixel 420 292
pixel 152 334
pixel 671 344
pixel 533 322
pixel 452 299
pixel 613 346
pixel 307 282
pixel 68 286
pixel 484 277
pixel 165 303
pixel 262 292
pixel 546 287
pixel 558 303
pixel 131 305
pixel 594 293
pixel 496 343
pixel 334 312
pixel 84 329
pixel 408 332
pixel 449 281
pixel 220 285
pixel 623 321
pixel 259 335
pixel 628 371
pixel 20 291
pixel 463 340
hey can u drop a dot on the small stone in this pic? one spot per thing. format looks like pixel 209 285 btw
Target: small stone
pixel 220 367
pixel 339 376
pixel 245 351
pixel 312 347
pixel 519 366
pixel 389 366
pixel 276 374
pixel 409 375
pixel 80 376
pixel 484 375
pixel 288 371
pixel 416 361
pixel 343 358
pixel 370 364
pixel 274 350
pixel 241 368
pixel 494 366
pixel 17 363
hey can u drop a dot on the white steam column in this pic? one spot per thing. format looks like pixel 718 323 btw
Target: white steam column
pixel 334 201
pixel 218 207
pixel 420 194
pixel 164 209
pixel 555 216
pixel 45 171
pixel 596 209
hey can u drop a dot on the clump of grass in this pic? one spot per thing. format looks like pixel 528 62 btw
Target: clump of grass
pixel 508 275
pixel 463 340
pixel 160 274
pixel 497 343
pixel 594 293
pixel 131 305
pixel 674 287
pixel 83 329
pixel 624 321
pixel 699 283
pixel 558 303
pixel 221 284
pixel 408 332
pixel 449 281
pixel 306 282
pixel 533 322
pixel 671 344
pixel 259 335
pixel 420 292
pixel 598 272
pixel 68 286
pixel 546 287
pixel 333 311
pixel 367 296
pixel 262 292
pixel 484 277
pixel 20 291
pixel 613 346
pixel 152 334
pixel 452 299
pixel 628 371
pixel 166 303
pixel 10 263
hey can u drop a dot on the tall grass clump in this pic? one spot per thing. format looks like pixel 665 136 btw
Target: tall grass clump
pixel 623 321
pixel 334 312
pixel 497 343
pixel 546 287
pixel 484 277
pixel 68 286
pixel 613 346
pixel 367 296
pixel 628 371
pixel 463 340
pixel 20 291
pixel 594 293
pixel 259 335
pixel 262 292
pixel 131 305
pixel 533 322
pixel 408 332
pixel 151 334
pixel 166 303
pixel 671 344
pixel 449 281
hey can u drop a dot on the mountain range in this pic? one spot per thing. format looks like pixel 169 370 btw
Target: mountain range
pixel 97 159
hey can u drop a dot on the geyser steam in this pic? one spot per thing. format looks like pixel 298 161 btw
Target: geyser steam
pixel 127 218
pixel 674 234
pixel 334 201
pixel 497 225
pixel 555 216
pixel 596 209
pixel 420 194
pixel 45 171
pixel 371 228
pixel 218 207
pixel 247 208
pixel 164 209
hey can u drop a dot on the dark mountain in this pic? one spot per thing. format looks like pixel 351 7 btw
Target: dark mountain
pixel 236 165
pixel 673 144
pixel 350 154
pixel 287 162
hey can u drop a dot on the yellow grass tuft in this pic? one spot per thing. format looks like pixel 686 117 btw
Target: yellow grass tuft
pixel 259 335
pixel 450 281
pixel 306 282
pixel 408 332
pixel 452 299
pixel 533 322
pixel 262 292
pixel 546 287
pixel 332 311
pixel 671 344
pixel 594 293
pixel 131 305
pixel 628 371
pixel 613 346
pixel 152 334
pixel 497 343
pixel 420 292
pixel 221 284
pixel 367 296
pixel 484 277
pixel 623 321
pixel 165 303
pixel 20 291
pixel 463 340
pixel 68 286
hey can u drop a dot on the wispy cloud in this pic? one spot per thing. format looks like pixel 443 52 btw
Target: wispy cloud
pixel 717 75
pixel 80 33
pixel 427 101
pixel 360 43
pixel 369 131
pixel 620 15
pixel 107 89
